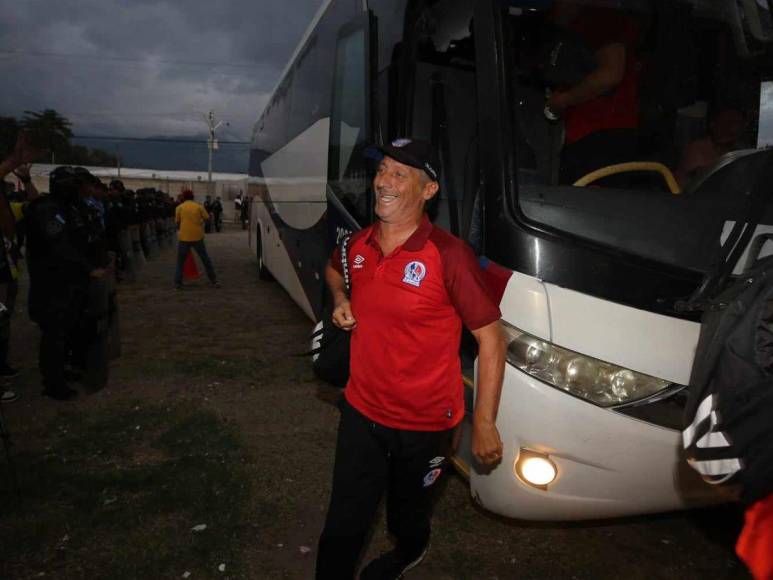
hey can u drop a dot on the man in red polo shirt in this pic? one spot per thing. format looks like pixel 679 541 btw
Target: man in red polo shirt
pixel 601 112
pixel 413 286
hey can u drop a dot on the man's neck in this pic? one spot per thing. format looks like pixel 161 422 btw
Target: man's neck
pixel 392 235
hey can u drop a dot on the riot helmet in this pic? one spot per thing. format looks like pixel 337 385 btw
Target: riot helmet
pixel 64 183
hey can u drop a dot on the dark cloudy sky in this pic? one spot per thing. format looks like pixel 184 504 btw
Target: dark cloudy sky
pixel 147 67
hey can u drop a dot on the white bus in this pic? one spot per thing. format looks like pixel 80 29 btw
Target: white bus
pixel 590 271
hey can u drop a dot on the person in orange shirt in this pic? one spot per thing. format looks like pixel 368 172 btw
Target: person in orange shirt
pixel 190 217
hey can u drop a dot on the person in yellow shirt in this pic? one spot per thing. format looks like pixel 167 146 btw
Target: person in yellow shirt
pixel 190 217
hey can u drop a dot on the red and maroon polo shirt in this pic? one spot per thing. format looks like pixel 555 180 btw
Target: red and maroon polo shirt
pixel 619 108
pixel 410 307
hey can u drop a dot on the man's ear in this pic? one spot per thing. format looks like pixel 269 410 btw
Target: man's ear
pixel 430 190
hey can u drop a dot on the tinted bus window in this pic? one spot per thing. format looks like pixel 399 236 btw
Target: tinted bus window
pixel 442 105
pixel 347 168
pixel 622 111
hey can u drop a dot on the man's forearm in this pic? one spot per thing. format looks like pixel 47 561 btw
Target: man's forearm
pixel 336 284
pixel 30 190
pixel 491 363
pixel 6 167
pixel 608 74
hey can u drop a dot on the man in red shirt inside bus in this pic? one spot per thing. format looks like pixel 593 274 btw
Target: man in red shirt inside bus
pixel 413 286
pixel 600 112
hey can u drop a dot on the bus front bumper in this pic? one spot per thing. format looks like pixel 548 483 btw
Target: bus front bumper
pixel 608 464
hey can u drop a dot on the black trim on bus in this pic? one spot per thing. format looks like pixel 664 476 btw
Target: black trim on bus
pixel 664 409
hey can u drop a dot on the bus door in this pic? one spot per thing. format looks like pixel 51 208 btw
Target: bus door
pixel 437 102
pixel 348 179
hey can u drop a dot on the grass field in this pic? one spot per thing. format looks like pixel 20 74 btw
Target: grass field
pixel 121 492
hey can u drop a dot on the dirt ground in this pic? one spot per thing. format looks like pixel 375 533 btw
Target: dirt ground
pixel 228 358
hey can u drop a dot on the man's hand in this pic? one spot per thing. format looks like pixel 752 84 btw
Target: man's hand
pixel 25 151
pixel 486 444
pixel 23 172
pixel 343 317
pixel 558 102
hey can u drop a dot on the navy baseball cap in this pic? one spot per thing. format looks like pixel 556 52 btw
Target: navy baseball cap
pixel 414 152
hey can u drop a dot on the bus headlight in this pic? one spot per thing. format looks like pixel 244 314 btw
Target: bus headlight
pixel 535 468
pixel 599 382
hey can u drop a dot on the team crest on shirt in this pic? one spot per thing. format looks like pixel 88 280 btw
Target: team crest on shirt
pixel 414 273
pixel 432 476
pixel 359 259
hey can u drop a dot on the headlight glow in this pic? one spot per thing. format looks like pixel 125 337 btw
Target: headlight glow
pixel 538 471
pixel 535 469
pixel 599 382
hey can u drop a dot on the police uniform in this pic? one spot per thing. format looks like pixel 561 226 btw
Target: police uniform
pixel 60 259
pixel 405 393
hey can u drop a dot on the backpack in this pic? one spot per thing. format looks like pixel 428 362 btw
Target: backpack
pixel 728 436
pixel 329 344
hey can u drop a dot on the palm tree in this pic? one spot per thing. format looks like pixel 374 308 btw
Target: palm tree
pixel 51 129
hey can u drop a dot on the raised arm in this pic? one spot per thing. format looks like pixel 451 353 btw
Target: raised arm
pixel 23 173
pixel 24 152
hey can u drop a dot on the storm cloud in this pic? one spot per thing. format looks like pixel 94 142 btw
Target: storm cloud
pixel 147 67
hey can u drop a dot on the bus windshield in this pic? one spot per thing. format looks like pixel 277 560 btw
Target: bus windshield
pixel 639 123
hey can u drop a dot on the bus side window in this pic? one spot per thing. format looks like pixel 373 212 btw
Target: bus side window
pixel 350 120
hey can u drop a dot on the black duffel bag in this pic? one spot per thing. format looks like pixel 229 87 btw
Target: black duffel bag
pixel 329 344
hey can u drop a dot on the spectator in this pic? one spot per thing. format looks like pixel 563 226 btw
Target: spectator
pixel 190 217
pixel 208 208
pixel 245 212
pixel 23 153
pixel 238 206
pixel 20 200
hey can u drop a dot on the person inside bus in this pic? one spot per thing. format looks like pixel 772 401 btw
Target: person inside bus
pixel 726 127
pixel 600 111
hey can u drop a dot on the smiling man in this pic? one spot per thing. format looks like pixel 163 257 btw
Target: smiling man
pixel 413 287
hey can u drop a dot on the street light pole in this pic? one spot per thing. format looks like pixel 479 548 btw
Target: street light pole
pixel 210 121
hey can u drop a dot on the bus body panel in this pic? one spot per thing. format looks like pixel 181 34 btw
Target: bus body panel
pixel 280 263
pixel 609 465
pixel 296 177
pixel 291 204
pixel 525 305
pixel 653 344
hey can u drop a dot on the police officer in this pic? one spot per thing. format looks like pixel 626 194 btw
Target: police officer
pixel 61 261
pixel 217 212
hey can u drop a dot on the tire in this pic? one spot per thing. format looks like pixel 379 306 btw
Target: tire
pixel 263 272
